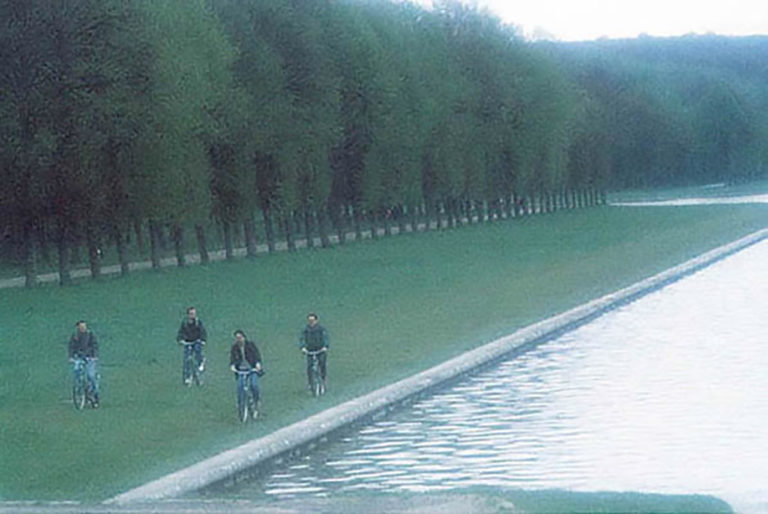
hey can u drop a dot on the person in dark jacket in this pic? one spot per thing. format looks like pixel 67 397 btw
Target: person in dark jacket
pixel 193 333
pixel 84 350
pixel 245 356
pixel 314 338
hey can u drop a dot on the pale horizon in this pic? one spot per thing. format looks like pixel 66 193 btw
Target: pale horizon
pixel 595 19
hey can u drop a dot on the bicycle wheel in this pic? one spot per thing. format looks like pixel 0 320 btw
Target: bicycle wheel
pixel 242 406
pixel 186 370
pixel 253 406
pixel 317 382
pixel 78 392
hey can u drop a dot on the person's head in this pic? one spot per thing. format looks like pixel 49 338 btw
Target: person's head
pixel 81 326
pixel 191 313
pixel 239 337
pixel 311 319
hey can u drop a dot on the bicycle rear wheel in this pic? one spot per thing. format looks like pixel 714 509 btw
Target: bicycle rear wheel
pixel 78 393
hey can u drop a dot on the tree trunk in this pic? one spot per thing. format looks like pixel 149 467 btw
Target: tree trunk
pixel 308 232
pixel 120 245
pixel 162 241
pixel 357 215
pixel 65 278
pixel 288 225
pixel 400 219
pixel 139 237
pixel 338 217
pixel 228 250
pixel 322 228
pixel 42 240
pixel 373 217
pixel 450 221
pixel 178 245
pixel 202 248
pixel 269 229
pixel 249 230
pixel 94 253
pixel 30 258
pixel 414 212
pixel 387 222
pixel 154 245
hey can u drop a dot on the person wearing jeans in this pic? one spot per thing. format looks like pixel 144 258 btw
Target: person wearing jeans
pixel 84 348
pixel 314 338
pixel 245 356
pixel 193 331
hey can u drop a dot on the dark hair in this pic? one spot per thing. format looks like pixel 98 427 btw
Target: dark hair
pixel 312 315
pixel 79 321
pixel 190 308
pixel 238 332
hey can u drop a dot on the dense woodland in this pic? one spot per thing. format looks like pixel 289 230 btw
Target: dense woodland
pixel 135 124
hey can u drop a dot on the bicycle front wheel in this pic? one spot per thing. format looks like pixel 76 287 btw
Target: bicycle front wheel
pixel 78 393
pixel 186 370
pixel 242 406
pixel 317 382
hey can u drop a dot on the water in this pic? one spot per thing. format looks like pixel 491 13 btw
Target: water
pixel 664 395
pixel 677 202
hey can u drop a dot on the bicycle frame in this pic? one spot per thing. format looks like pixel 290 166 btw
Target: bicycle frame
pixel 315 379
pixel 189 369
pixel 246 402
pixel 82 390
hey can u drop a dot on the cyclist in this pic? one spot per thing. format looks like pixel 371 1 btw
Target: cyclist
pixel 192 331
pixel 83 345
pixel 245 356
pixel 314 338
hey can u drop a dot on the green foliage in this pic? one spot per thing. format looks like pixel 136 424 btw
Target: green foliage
pixel 178 111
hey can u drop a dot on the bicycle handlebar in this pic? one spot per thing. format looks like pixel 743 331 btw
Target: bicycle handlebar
pixel 314 352
pixel 190 343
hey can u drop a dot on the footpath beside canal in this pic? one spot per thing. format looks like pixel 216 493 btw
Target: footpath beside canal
pixel 232 465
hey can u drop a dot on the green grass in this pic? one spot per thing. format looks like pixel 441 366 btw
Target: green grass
pixel 393 307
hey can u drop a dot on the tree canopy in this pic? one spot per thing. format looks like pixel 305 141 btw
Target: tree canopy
pixel 168 114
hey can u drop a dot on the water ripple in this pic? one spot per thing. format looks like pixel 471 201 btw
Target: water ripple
pixel 663 395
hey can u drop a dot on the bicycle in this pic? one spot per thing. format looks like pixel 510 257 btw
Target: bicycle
pixel 316 383
pixel 247 403
pixel 190 370
pixel 82 390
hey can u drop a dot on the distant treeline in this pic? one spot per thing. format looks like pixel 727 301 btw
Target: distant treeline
pixel 120 116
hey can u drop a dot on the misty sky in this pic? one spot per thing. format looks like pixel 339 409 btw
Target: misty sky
pixel 590 19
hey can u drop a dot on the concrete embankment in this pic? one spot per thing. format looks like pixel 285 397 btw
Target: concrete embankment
pixel 231 465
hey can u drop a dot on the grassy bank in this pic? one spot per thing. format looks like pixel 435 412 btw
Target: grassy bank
pixel 393 308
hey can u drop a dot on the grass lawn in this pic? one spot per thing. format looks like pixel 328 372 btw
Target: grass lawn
pixel 393 308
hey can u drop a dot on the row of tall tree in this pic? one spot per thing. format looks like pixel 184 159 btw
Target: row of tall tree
pixel 149 118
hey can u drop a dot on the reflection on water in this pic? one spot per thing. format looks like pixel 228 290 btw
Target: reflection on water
pixel 697 201
pixel 665 395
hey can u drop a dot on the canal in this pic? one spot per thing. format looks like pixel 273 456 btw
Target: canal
pixel 663 395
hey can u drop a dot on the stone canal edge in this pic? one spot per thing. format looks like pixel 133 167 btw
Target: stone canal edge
pixel 230 466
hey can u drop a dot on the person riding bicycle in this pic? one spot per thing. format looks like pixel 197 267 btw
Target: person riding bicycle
pixel 192 332
pixel 245 356
pixel 83 345
pixel 314 338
